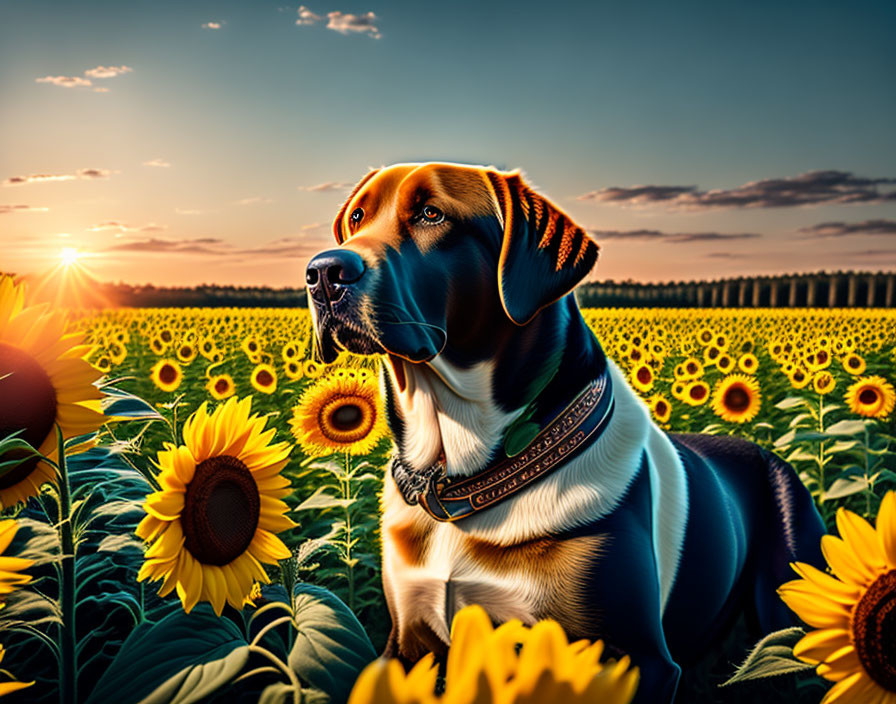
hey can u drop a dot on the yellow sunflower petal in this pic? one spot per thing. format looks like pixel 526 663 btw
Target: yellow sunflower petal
pixel 815 646
pixel 886 527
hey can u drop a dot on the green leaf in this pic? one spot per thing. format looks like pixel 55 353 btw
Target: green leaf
pixel 276 693
pixel 785 439
pixel 842 446
pixel 790 402
pixel 121 404
pixel 196 682
pixel 847 427
pixel 799 455
pixel 156 653
pixel 846 487
pixel 773 655
pixel 321 499
pixel 518 437
pixel 331 647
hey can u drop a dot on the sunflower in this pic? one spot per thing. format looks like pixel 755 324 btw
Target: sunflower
pixel 45 380
pixel 854 611
pixel 264 378
pixel 696 393
pixel 215 519
pixel 221 386
pixel 312 369
pixel 10 579
pixel 187 351
pixel 705 336
pixel 692 368
pixel 293 370
pixel 290 352
pixel 871 396
pixel 823 382
pixel 103 363
pixel 748 363
pixel 854 364
pixel 736 398
pixel 818 360
pixel 660 407
pixel 252 347
pixel 340 413
pixel 207 347
pixel 799 379
pixel 642 377
pixel 117 352
pixel 725 363
pixel 678 389
pixel 167 374
pixel 711 354
pixel 158 345
pixel 488 665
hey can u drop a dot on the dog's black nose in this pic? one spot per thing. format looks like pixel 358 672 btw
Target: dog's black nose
pixel 330 272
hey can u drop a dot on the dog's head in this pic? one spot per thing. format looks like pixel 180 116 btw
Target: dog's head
pixel 440 254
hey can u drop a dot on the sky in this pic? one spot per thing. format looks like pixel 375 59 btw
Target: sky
pixel 179 143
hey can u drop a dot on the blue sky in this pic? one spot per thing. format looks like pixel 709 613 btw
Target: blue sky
pixel 193 163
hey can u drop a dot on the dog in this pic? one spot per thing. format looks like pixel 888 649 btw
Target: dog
pixel 527 475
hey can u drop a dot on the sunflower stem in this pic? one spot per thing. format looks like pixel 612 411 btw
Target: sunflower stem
pixel 821 488
pixel 68 673
pixel 347 495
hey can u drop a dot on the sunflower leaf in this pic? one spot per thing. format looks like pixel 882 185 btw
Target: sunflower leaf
pixel 847 427
pixel 773 655
pixel 321 499
pixel 155 661
pixel 846 487
pixel 331 647
pixel 121 404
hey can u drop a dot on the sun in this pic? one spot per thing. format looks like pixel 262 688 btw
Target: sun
pixel 69 256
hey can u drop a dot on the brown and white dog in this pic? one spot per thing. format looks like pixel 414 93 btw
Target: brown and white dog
pixel 528 477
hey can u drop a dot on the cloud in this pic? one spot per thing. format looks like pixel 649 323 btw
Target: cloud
pixel 213 25
pixel 306 16
pixel 312 226
pixel 107 71
pixel 811 188
pixel 95 173
pixel 346 23
pixel 7 209
pixel 255 200
pixel 672 237
pixel 188 211
pixel 327 186
pixel 65 81
pixel 160 163
pixel 843 229
pixel 37 178
pixel 342 22
pixel 100 89
pixel 47 178
pixel 121 227
pixel 287 247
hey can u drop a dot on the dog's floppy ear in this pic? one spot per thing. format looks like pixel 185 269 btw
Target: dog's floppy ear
pixel 338 224
pixel 544 254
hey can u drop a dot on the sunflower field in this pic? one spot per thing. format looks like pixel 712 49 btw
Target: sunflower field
pixel 190 501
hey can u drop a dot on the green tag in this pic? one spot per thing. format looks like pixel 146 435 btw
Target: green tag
pixel 519 437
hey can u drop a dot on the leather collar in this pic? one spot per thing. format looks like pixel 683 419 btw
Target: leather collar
pixel 577 426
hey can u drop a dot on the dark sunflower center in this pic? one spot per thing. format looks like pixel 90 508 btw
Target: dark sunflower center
pixel 167 374
pixel 661 408
pixel 854 362
pixel 221 510
pixel 822 357
pixel 347 417
pixel 737 399
pixel 644 375
pixel 713 353
pixel 27 404
pixel 799 376
pixel 874 630
pixel 697 392
pixel 166 336
pixel 221 386
pixel 692 368
pixel 264 378
pixel 868 397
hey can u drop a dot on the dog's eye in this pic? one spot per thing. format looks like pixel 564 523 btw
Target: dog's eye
pixel 432 215
pixel 356 215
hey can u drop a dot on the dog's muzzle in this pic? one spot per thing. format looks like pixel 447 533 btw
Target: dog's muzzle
pixel 331 273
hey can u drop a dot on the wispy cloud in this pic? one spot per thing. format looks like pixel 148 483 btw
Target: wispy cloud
pixel 121 227
pixel 188 211
pixel 811 188
pixel 80 82
pixel 843 229
pixel 107 71
pixel 287 247
pixel 306 16
pixel 213 25
pixel 160 163
pixel 342 22
pixel 254 200
pixel 49 178
pixel 8 209
pixel 65 81
pixel 327 186
pixel 671 237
